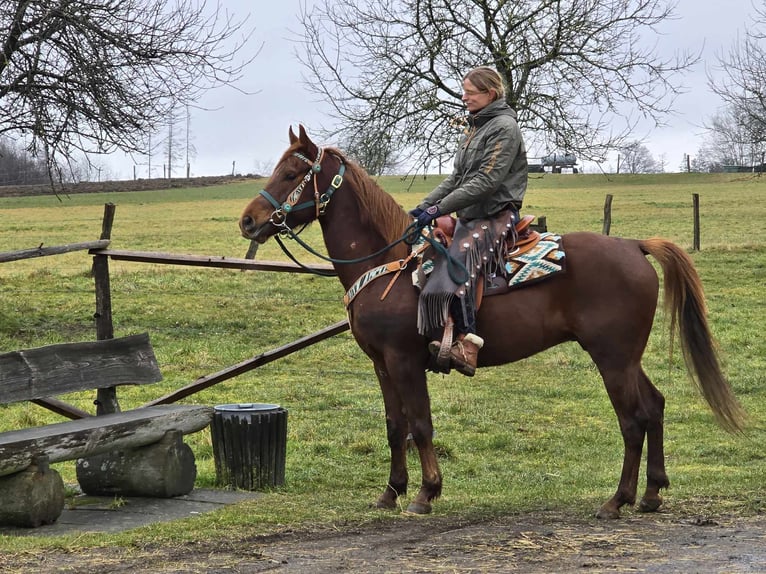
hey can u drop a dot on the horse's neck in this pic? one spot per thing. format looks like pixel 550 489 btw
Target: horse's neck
pixel 346 237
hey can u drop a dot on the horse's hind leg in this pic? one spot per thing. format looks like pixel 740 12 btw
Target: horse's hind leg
pixel 622 387
pixel 656 478
pixel 639 407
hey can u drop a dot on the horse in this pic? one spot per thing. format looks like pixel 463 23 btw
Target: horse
pixel 605 301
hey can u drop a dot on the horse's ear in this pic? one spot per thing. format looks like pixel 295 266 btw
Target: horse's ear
pixel 292 136
pixel 306 142
pixel 303 136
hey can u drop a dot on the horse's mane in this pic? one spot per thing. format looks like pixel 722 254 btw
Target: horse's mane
pixel 377 208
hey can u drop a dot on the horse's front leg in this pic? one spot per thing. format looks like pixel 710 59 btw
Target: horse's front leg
pixel 397 430
pixel 431 486
pixel 407 373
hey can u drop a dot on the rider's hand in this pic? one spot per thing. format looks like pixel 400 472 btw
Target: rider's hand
pixel 427 216
pixel 414 213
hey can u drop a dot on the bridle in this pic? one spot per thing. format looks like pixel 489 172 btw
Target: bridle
pixel 279 217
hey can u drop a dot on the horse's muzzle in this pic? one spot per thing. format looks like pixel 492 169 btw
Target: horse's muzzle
pixel 251 230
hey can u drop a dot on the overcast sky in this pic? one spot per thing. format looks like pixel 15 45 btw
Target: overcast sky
pixel 251 130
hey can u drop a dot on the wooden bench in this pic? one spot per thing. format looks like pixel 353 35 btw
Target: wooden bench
pixel 138 452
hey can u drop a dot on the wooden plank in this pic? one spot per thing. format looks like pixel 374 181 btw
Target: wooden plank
pixel 208 261
pixel 696 215
pixel 67 367
pixel 95 435
pixel 250 364
pixel 55 250
pixel 62 408
pixel 252 249
pixel 607 215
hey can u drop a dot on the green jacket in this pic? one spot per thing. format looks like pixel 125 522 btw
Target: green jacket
pixel 490 169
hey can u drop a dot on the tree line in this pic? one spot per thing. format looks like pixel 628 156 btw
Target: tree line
pixel 17 167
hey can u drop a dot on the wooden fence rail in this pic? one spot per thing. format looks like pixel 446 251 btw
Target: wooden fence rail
pixel 54 250
pixel 206 261
pixel 607 224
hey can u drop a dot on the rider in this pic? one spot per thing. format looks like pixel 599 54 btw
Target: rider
pixel 486 190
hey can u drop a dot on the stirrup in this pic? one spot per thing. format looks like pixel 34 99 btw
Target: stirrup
pixel 444 356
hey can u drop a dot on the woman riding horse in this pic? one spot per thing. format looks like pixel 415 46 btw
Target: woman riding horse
pixel 486 190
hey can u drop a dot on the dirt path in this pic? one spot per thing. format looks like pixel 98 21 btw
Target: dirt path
pixel 529 543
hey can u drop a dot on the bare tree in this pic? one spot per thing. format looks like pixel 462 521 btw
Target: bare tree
pixel 572 68
pixel 97 76
pixel 636 158
pixel 742 84
pixel 16 167
pixel 172 142
pixel 732 138
pixel 191 150
pixel 376 152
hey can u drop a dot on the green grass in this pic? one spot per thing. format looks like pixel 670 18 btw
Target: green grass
pixel 537 434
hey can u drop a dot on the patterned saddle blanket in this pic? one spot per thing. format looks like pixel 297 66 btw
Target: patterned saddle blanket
pixel 546 258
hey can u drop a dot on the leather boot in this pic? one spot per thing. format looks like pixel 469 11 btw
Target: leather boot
pixel 465 352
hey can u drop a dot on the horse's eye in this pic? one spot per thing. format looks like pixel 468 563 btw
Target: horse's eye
pixel 290 175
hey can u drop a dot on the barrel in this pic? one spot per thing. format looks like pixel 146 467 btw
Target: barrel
pixel 249 445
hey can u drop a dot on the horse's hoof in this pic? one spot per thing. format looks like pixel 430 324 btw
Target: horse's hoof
pixel 650 504
pixel 384 504
pixel 606 513
pixel 419 508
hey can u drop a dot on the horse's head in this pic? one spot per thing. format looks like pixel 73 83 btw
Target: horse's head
pixel 297 192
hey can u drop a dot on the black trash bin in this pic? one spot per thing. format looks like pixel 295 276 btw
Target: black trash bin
pixel 249 445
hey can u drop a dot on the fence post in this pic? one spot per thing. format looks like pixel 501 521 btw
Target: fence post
pixel 251 250
pixel 106 399
pixel 607 215
pixel 696 202
pixel 541 226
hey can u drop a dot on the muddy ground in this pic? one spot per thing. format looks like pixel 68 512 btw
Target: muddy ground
pixel 531 543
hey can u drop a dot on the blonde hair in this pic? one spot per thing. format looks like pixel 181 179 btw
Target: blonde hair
pixel 486 79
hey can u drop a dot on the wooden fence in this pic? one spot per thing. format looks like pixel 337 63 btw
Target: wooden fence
pixel 696 216
pixel 103 317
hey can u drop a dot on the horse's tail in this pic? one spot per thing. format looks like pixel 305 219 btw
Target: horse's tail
pixel 685 303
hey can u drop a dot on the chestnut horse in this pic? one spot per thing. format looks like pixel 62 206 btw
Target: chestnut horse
pixel 605 301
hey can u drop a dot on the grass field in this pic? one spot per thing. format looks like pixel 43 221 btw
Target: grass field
pixel 537 434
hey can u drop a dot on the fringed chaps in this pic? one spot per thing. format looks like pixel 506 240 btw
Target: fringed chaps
pixel 480 246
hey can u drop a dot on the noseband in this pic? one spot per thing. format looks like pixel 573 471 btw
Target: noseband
pixel 320 202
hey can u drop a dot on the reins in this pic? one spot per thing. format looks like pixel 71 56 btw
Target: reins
pixel 410 236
